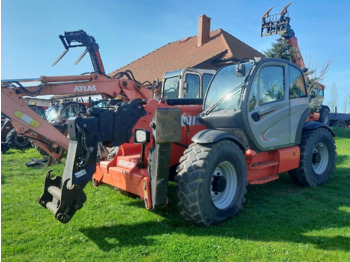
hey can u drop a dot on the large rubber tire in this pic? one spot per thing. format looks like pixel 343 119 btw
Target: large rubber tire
pixel 317 158
pixel 212 182
pixel 17 141
pixel 63 129
pixel 340 123
pixel 324 115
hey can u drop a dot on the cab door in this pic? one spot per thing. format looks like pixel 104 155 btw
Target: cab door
pixel 268 107
pixel 298 103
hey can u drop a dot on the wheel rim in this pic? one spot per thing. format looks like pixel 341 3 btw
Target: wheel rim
pixel 21 141
pixel 320 158
pixel 223 185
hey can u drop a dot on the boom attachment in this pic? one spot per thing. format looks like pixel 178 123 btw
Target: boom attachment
pixel 63 196
pixel 275 24
pixel 280 24
pixel 82 39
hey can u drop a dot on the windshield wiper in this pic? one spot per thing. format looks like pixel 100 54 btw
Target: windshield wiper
pixel 210 109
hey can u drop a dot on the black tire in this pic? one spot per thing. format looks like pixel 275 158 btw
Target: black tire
pixel 317 158
pixel 63 129
pixel 17 141
pixel 5 147
pixel 212 182
pixel 340 123
pixel 324 115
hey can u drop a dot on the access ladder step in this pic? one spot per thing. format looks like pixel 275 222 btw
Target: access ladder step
pixel 263 165
pixel 263 180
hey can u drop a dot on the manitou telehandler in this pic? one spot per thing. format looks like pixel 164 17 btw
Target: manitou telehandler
pixel 251 127
pixel 280 24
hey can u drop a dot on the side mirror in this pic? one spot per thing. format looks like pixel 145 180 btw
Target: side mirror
pixel 240 70
pixel 155 83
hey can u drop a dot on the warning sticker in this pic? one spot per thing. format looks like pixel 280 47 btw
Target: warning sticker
pixel 80 173
pixel 27 119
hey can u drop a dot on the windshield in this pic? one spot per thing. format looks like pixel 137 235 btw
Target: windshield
pixel 39 110
pixel 54 113
pixel 101 104
pixel 171 87
pixel 222 93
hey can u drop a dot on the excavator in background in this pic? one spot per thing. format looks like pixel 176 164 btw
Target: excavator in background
pixel 280 24
pixel 32 126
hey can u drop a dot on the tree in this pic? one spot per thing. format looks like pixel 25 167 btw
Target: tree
pixel 346 103
pixel 333 101
pixel 280 49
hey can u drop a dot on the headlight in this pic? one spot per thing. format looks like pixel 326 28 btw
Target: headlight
pixel 142 136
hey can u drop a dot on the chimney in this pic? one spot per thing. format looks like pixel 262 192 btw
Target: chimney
pixel 203 30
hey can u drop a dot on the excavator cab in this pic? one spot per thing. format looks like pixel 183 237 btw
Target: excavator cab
pixel 275 24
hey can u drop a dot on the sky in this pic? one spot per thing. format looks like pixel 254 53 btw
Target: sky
pixel 127 30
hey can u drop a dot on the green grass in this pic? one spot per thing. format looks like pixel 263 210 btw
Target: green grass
pixel 280 222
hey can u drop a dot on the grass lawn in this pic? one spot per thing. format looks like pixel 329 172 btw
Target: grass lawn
pixel 280 221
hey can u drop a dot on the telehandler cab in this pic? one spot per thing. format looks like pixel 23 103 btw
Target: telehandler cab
pixel 251 127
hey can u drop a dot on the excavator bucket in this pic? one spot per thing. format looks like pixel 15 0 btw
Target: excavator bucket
pixel 275 24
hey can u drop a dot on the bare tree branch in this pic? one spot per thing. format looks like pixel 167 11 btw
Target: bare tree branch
pixel 333 102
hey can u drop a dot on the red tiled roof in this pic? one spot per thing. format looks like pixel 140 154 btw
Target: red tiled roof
pixel 185 53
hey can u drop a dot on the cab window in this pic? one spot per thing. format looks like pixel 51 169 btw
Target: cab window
pixel 320 92
pixel 82 108
pixel 171 87
pixel 297 86
pixel 192 86
pixel 267 87
pixel 206 80
pixel 41 112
